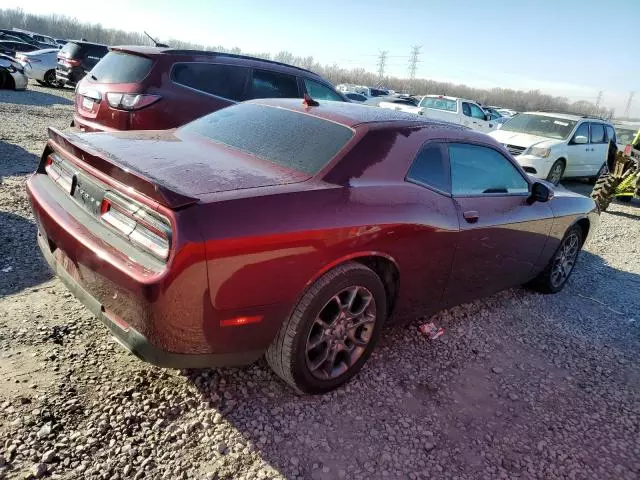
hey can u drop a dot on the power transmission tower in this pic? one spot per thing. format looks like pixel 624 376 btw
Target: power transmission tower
pixel 413 61
pixel 598 100
pixel 627 109
pixel 382 61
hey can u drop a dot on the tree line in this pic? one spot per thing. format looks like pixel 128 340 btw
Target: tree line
pixel 61 26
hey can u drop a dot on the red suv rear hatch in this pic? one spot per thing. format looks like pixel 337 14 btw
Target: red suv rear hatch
pixel 111 94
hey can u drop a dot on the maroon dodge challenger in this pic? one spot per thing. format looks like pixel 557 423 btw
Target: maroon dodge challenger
pixel 293 230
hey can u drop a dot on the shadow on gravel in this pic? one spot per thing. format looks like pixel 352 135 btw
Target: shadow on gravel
pixel 31 97
pixel 15 160
pixel 21 264
pixel 446 386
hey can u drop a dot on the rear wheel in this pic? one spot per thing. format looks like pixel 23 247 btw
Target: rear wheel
pixel 556 172
pixel 332 330
pixel 50 79
pixel 555 275
pixel 604 190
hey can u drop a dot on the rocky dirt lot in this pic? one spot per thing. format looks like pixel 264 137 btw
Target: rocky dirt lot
pixel 520 386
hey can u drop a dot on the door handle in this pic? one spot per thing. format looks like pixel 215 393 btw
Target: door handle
pixel 471 216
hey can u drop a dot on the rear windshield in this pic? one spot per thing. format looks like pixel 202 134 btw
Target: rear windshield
pixel 119 67
pixel 290 139
pixel 439 103
pixel 70 49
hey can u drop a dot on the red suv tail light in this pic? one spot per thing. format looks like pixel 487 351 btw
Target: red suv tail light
pixel 131 101
pixel 145 228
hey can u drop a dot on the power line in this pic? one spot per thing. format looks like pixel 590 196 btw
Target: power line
pixel 627 109
pixel 413 61
pixel 382 61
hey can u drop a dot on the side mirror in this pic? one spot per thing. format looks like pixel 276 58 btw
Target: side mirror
pixel 580 140
pixel 540 193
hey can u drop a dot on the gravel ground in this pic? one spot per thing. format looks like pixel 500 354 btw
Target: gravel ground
pixel 521 385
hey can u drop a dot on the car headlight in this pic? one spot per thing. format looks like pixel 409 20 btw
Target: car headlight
pixel 539 152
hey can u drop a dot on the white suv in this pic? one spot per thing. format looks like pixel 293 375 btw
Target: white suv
pixel 553 145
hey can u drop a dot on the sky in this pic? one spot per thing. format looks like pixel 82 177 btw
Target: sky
pixel 573 48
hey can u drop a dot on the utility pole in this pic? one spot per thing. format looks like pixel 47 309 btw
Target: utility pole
pixel 413 61
pixel 627 109
pixel 382 61
pixel 598 100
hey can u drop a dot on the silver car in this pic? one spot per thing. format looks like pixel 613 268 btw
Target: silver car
pixel 40 65
pixel 12 73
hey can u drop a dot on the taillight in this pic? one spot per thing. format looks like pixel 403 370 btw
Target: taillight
pixel 627 150
pixel 58 172
pixel 72 63
pixel 131 101
pixel 143 227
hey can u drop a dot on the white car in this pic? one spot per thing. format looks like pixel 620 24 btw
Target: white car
pixel 553 146
pixel 456 110
pixel 12 74
pixel 40 65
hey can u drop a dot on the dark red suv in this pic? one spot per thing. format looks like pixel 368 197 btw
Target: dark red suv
pixel 151 88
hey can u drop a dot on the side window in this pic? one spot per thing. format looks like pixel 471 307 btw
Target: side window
pixel 611 134
pixel 227 81
pixel 582 131
pixel 273 85
pixel 466 110
pixel 430 168
pixel 476 170
pixel 597 133
pixel 476 111
pixel 320 92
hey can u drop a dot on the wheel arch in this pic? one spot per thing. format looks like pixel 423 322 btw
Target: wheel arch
pixel 585 226
pixel 382 264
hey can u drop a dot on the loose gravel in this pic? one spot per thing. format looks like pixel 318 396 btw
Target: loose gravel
pixel 521 385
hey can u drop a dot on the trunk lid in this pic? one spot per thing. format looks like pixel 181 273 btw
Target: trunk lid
pixel 172 171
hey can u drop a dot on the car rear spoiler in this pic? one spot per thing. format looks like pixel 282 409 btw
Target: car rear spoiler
pixel 77 147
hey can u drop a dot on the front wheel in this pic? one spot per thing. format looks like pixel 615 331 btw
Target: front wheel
pixel 556 172
pixel 50 79
pixel 555 275
pixel 332 330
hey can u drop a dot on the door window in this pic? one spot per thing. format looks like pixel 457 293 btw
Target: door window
pixel 430 168
pixel 597 133
pixel 273 85
pixel 321 92
pixel 226 81
pixel 477 170
pixel 582 131
pixel 466 110
pixel 476 111
pixel 611 134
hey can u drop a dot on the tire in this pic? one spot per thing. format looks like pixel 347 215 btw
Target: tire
pixel 3 79
pixel 547 280
pixel 556 171
pixel 604 190
pixel 50 79
pixel 41 82
pixel 290 355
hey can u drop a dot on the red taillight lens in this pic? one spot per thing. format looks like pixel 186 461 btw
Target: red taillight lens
pixel 144 228
pixel 131 101
pixel 627 150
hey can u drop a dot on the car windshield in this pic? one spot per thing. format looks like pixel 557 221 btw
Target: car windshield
pixel 542 125
pixel 284 137
pixel 439 103
pixel 625 135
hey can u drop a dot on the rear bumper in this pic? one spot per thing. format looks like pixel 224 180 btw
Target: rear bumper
pixel 70 76
pixel 161 313
pixel 134 341
pixel 85 125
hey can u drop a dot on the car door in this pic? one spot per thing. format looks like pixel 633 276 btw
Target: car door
pixel 501 234
pixel 578 153
pixel 599 148
pixel 479 119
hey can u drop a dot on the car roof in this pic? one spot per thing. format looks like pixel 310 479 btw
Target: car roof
pixel 569 116
pixel 84 42
pixel 351 114
pixel 151 51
